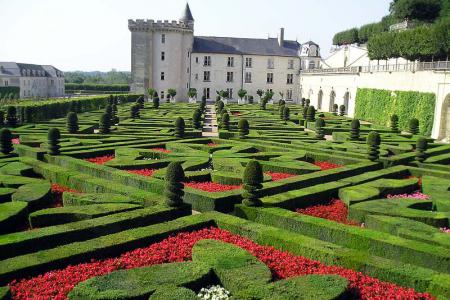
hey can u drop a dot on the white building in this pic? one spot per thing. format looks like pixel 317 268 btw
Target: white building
pixel 167 55
pixel 32 80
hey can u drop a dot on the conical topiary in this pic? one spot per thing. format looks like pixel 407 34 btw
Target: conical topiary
pixel 335 109
pixel 53 141
pixel 281 111
pixel 2 118
pixel 281 102
pixel 413 126
pixel 263 104
pixel 311 113
pixel 72 122
pixel 354 131
pixel 421 147
pixel 11 117
pixel 252 179
pixel 243 128
pixel 174 184
pixel 109 110
pixel 286 113
pixel 156 102
pixel 220 106
pixel 394 123
pixel 115 118
pixel 140 101
pixel 179 127
pixel 320 131
pixel 197 118
pixel 6 145
pixel 303 102
pixel 307 102
pixel 105 124
pixel 134 112
pixel 304 112
pixel 373 143
pixel 225 121
pixel 342 110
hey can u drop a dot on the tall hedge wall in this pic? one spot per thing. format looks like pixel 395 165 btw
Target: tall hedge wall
pixel 97 87
pixel 378 105
pixel 6 91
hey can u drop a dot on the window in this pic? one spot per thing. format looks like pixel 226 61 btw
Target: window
pixel 163 38
pixel 270 63
pixel 162 95
pixel 290 64
pixel 206 93
pixel 230 93
pixel 188 54
pixel 162 75
pixel 269 77
pixel 196 60
pixel 229 76
pixel 6 83
pixel 248 62
pixel 311 65
pixel 206 76
pixel 196 76
pixel 207 61
pixel 289 94
pixel 248 77
pixel 290 78
pixel 230 62
pixel 187 70
pixel 163 55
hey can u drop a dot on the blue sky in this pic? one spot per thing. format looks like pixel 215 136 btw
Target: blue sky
pixel 93 35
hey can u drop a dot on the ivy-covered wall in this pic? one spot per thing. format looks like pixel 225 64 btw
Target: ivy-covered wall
pixel 377 106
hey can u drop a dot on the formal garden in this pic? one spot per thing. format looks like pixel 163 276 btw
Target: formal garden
pixel 116 197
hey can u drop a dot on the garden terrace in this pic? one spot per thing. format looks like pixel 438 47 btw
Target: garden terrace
pixel 331 223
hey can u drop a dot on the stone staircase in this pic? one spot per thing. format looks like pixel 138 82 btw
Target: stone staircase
pixel 210 128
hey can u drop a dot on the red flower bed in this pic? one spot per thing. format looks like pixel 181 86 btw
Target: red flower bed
pixel 212 145
pixel 143 172
pixel 15 141
pixel 57 191
pixel 325 165
pixel 163 150
pixel 236 113
pixel 100 160
pixel 335 210
pixel 278 176
pixel 57 284
pixel 212 186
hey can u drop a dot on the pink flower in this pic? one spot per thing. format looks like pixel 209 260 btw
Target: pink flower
pixel 416 195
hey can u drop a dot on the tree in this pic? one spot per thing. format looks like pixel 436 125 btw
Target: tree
pixel 155 102
pixel 174 187
pixel 109 111
pixel 311 113
pixel 423 10
pixel 243 128
pixel 105 124
pixel 134 112
pixel 373 143
pixel 192 93
pixel 281 111
pixel 225 121
pixel 72 122
pixel 53 137
pixel 179 127
pixel 421 147
pixel 242 93
pixel 252 179
pixel 354 131
pixel 151 93
pixel 115 118
pixel 197 118
pixel 11 116
pixel 286 113
pixel 346 37
pixel 304 112
pixel 281 102
pixel 140 102
pixel 342 110
pixel 220 106
pixel 6 145
pixel 260 93
pixel 320 131
pixel 172 93
pixel 413 126
pixel 394 123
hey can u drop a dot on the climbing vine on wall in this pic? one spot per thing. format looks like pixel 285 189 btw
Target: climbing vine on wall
pixel 377 106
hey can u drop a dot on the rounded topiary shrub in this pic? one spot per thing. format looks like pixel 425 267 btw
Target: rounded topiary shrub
pixel 281 102
pixel 304 112
pixel 320 131
pixel 156 102
pixel 174 184
pixel 303 102
pixel 105 124
pixel 421 147
pixel 53 137
pixel 220 106
pixel 243 128
pixel 72 122
pixel 286 113
pixel 342 110
pixel 311 114
pixel 373 143
pixel 307 102
pixel 335 109
pixel 2 118
pixel 179 127
pixel 11 116
pixel 134 112
pixel 252 179
pixel 197 118
pixel 225 121
pixel 354 131
pixel 281 111
pixel 394 123
pixel 413 126
pixel 6 145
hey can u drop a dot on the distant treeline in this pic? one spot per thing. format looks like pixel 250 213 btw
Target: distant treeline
pixel 96 77
pixel 97 87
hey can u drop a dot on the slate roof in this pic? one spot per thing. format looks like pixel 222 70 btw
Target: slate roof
pixel 187 15
pixel 15 69
pixel 231 45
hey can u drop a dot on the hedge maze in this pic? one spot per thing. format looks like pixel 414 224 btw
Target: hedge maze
pixel 277 206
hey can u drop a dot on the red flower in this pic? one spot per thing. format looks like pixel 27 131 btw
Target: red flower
pixel 58 283
pixel 163 150
pixel 335 210
pixel 143 172
pixel 212 186
pixel 325 165
pixel 236 113
pixel 278 176
pixel 57 191
pixel 212 145
pixel 100 160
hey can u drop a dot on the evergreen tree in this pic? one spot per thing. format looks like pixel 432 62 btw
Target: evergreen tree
pixel 243 128
pixel 197 118
pixel 220 106
pixel 354 131
pixel 72 122
pixel 225 121
pixel 2 118
pixel 421 147
pixel 373 143
pixel 53 141
pixel 109 111
pixel 311 113
pixel 174 184
pixel 156 102
pixel 394 123
pixel 134 112
pixel 179 127
pixel 11 116
pixel 252 179
pixel 286 113
pixel 105 124
pixel 6 145
pixel 304 112
pixel 115 118
pixel 413 126
pixel 320 131
pixel 281 111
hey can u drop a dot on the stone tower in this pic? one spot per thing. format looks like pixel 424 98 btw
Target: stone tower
pixel 160 54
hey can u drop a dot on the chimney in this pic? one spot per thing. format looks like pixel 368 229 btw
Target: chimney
pixel 281 37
